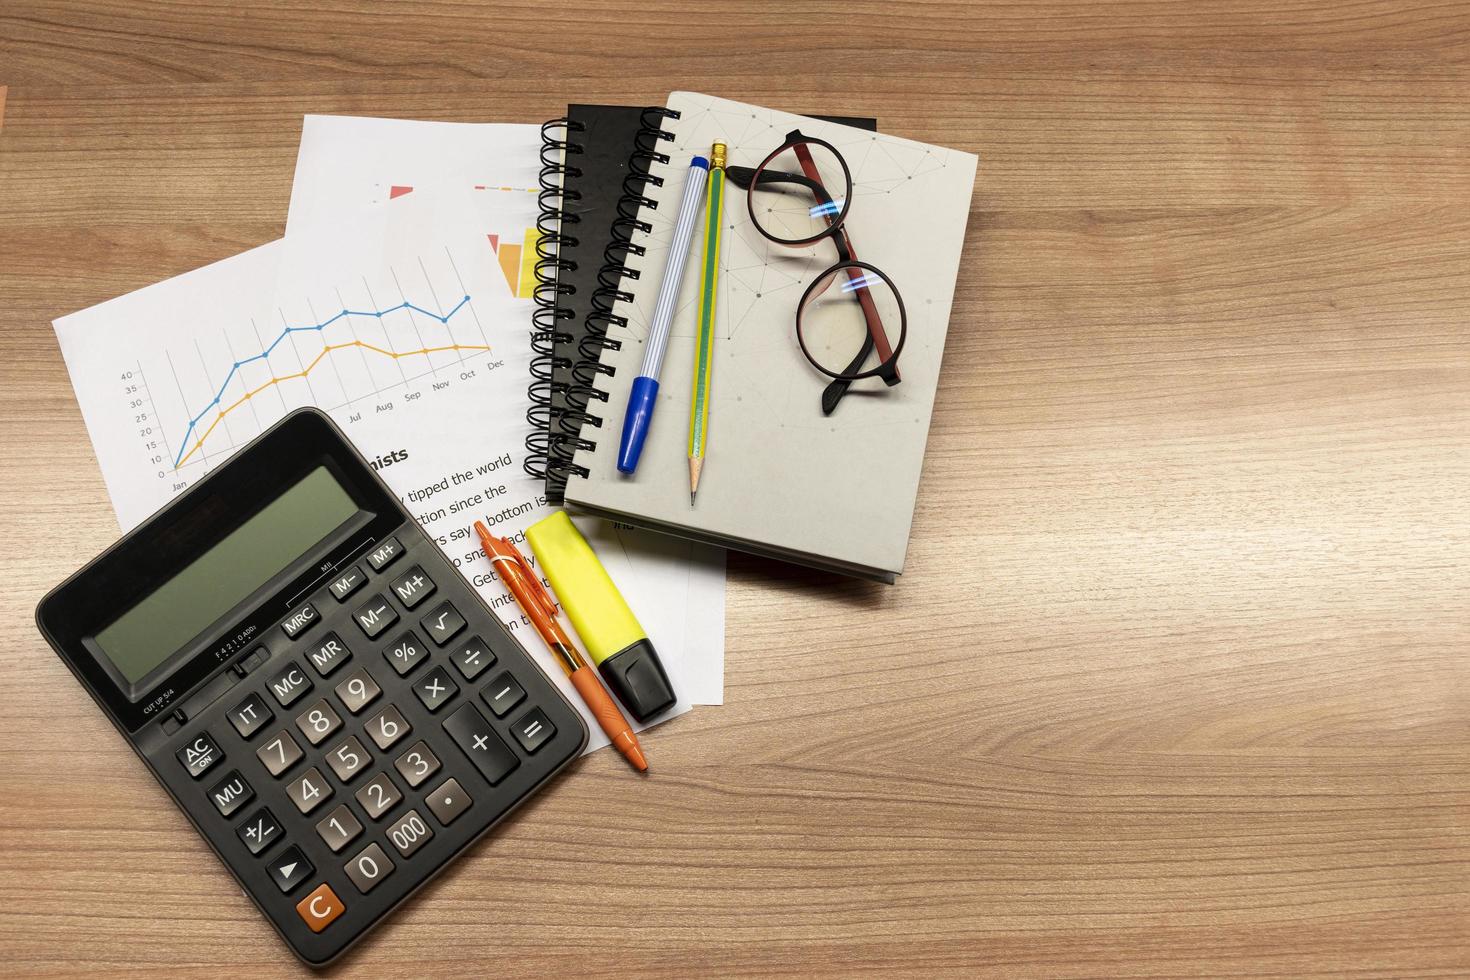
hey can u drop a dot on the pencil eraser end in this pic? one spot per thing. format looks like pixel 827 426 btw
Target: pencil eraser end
pixel 641 399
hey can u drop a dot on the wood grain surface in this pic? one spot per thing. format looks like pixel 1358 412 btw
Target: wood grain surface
pixel 1176 682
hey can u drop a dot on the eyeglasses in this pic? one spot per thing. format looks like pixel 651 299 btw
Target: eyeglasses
pixel 849 315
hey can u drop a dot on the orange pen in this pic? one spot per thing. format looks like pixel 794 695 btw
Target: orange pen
pixel 536 603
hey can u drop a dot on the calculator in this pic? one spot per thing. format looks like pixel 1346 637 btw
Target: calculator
pixel 317 687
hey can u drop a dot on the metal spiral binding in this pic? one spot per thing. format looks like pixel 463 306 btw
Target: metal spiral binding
pixel 543 414
pixel 612 280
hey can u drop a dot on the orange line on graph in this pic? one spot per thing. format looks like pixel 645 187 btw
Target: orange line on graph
pixel 304 371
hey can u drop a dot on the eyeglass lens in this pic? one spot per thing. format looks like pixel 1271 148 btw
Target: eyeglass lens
pixel 798 193
pixel 833 320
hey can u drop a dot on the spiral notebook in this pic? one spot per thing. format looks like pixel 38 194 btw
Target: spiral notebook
pixel 585 158
pixel 780 479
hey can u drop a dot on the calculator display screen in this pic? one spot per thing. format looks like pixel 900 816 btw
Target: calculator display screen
pixel 214 583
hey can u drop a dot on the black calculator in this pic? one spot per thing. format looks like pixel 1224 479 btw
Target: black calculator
pixel 312 681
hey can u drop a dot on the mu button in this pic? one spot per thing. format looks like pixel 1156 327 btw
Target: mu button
pixel 320 909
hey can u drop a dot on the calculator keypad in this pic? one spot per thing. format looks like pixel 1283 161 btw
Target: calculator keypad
pixel 473 734
pixel 383 555
pixel 321 908
pixel 472 657
pixel 410 833
pixel 533 730
pixel 347 583
pixel 372 784
pixel 299 620
pixel 503 693
pixel 448 802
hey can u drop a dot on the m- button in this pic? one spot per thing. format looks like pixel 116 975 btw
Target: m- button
pixel 347 583
pixel 321 908
pixel 413 587
pixel 375 615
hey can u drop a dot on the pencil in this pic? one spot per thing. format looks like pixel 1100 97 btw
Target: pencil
pixel 709 278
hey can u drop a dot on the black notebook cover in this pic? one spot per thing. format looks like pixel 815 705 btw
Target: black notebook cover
pixel 599 144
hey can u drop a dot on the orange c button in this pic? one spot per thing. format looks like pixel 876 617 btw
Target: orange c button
pixel 320 909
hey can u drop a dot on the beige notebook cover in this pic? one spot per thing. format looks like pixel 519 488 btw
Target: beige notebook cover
pixel 780 478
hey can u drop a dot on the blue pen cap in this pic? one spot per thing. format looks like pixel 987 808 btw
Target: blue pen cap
pixel 699 162
pixel 641 398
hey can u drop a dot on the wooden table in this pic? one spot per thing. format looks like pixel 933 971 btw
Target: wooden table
pixel 1176 681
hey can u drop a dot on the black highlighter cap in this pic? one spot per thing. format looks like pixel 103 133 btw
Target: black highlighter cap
pixel 637 677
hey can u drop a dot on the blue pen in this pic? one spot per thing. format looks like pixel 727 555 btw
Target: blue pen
pixel 644 393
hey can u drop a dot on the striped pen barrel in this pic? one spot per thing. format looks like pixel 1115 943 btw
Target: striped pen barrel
pixel 644 393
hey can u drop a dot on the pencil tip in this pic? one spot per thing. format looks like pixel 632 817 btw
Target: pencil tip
pixel 691 498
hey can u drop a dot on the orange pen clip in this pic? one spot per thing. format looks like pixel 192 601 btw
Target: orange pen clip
pixel 506 550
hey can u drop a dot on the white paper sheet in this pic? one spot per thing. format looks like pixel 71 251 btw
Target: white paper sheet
pixel 353 165
pixel 414 344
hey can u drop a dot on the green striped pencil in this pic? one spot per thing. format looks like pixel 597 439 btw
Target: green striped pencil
pixel 709 277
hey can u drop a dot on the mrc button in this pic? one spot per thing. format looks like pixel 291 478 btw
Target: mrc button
pixel 300 619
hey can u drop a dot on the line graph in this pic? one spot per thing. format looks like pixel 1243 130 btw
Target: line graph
pixel 393 333
pixel 186 451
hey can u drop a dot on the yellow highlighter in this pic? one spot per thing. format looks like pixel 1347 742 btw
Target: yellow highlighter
pixel 616 643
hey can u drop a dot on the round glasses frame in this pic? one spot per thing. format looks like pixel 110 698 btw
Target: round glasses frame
pixel 809 178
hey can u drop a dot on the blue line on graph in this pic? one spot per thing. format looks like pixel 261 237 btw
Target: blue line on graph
pixel 405 305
